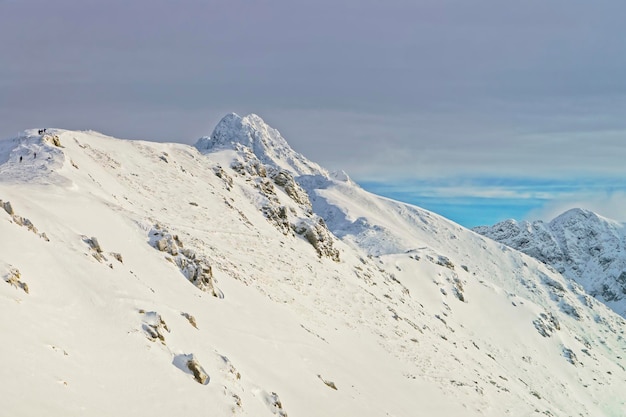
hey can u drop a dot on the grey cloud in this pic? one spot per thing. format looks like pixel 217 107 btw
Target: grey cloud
pixel 380 89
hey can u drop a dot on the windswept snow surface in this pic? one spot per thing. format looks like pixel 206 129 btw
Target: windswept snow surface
pixel 582 245
pixel 239 278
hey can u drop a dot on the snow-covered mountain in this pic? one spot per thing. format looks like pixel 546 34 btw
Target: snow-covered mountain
pixel 582 245
pixel 238 278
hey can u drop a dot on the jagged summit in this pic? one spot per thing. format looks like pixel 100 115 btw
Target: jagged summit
pixel 581 244
pixel 251 131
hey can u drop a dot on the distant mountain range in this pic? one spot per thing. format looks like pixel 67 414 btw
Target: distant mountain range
pixel 580 244
pixel 237 278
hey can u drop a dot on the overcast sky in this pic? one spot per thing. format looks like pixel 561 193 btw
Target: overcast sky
pixel 481 110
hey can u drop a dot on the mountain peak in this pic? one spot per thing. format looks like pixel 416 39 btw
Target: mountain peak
pixel 264 141
pixel 577 212
pixel 583 245
pixel 250 131
pixel 577 216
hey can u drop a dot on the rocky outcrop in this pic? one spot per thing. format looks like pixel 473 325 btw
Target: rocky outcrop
pixel 154 326
pixel 195 268
pixel 275 404
pixel 272 167
pixel 199 374
pixel 249 166
pixel 6 205
pixel 53 140
pixel 318 235
pixel 21 221
pixel 546 324
pixel 95 249
pixel 329 384
pixel 191 319
pixel 188 363
pixel 285 203
pixel 287 182
pixel 277 215
pixel 14 278
pixel 220 173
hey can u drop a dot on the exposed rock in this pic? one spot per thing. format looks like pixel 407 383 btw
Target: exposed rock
pixel 281 177
pixel 230 368
pixel 195 268
pixel 228 180
pixel 95 248
pixel 22 221
pixel 286 181
pixel 278 216
pixel 572 310
pixel 53 139
pixel 275 405
pixel 457 288
pixel 94 244
pixel 154 326
pixel 202 277
pixel 6 205
pixel 284 215
pixel 190 318
pixel 167 244
pixel 555 286
pixel 250 165
pixel 14 278
pixel 318 235
pixel 546 324
pixel 266 187
pixel 445 261
pixel 199 374
pixel 330 384
pixel 570 356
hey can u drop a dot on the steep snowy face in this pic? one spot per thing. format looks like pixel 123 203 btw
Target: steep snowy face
pixel 534 239
pixel 360 218
pixel 234 132
pixel 581 244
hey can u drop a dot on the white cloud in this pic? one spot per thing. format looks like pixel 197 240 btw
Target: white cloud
pixel 612 205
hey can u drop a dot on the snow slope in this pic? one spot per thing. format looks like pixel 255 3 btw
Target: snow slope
pixel 293 290
pixel 582 245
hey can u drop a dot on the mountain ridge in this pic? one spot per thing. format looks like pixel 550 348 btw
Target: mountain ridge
pixel 294 280
pixel 586 247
